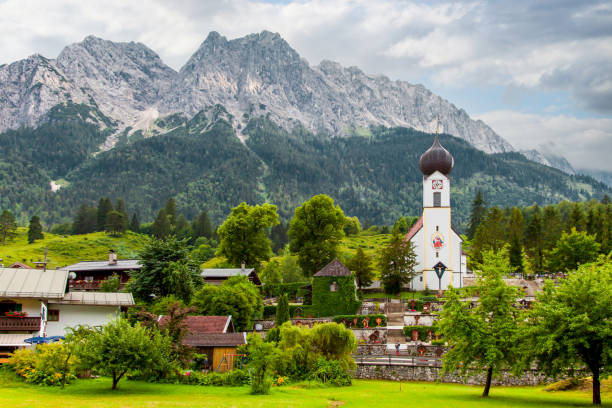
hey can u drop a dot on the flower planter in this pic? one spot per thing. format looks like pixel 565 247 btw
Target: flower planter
pixel 415 335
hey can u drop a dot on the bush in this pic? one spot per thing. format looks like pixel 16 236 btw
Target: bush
pixel 330 372
pixel 423 330
pixel 234 378
pixel 360 319
pixel 48 364
pixel 290 289
pixel 270 311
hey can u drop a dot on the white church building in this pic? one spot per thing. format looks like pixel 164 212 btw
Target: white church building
pixel 440 259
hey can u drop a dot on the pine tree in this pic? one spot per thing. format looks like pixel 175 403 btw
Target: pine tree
pixel 135 224
pixel 278 235
pixel 516 228
pixel 104 206
pixel 121 207
pixel 605 200
pixel 534 243
pixel 492 233
pixel 35 230
pixel 7 225
pixel 85 220
pixel 116 223
pixel 282 310
pixel 161 226
pixel 553 227
pixel 202 227
pixel 171 211
pixel 576 219
pixel 182 228
pixel 479 212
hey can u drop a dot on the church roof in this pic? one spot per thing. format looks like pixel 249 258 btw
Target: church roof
pixel 436 158
pixel 334 268
pixel 415 228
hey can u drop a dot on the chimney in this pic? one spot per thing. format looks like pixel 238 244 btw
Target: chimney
pixel 112 257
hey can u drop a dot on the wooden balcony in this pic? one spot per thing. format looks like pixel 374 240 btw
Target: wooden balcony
pixel 85 285
pixel 20 323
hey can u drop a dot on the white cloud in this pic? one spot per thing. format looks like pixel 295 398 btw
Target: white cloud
pixel 584 142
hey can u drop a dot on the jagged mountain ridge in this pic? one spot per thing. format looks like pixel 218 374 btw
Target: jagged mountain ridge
pixel 259 74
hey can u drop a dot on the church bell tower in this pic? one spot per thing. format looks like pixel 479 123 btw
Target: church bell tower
pixel 436 164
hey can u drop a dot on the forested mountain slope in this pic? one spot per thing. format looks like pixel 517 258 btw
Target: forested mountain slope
pixel 204 165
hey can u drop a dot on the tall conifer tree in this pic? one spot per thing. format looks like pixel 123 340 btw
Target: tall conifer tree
pixel 479 211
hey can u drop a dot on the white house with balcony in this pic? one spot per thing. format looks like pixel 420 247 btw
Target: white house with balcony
pixel 36 302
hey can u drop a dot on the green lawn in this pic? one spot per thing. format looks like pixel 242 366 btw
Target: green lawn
pixel 66 250
pixel 370 394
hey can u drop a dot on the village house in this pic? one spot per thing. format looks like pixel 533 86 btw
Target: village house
pixel 38 303
pixel 217 276
pixel 89 275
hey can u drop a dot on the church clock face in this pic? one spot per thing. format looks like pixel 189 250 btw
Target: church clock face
pixel 436 184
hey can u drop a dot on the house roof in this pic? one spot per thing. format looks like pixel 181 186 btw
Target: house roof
pixel 204 324
pixel 226 272
pixel 121 265
pixel 33 283
pixel 20 265
pixel 334 268
pixel 96 298
pixel 215 339
pixel 414 229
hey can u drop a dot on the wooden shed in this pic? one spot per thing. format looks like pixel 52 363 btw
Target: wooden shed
pixel 221 348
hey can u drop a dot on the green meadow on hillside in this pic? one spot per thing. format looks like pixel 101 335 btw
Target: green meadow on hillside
pixel 64 250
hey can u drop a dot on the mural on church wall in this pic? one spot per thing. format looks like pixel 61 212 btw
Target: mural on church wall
pixel 437 240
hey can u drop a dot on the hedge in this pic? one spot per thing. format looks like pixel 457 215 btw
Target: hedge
pixel 277 289
pixel 372 322
pixel 327 303
pixel 421 329
pixel 270 311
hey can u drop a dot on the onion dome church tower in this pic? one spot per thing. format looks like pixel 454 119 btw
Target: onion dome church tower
pixel 440 261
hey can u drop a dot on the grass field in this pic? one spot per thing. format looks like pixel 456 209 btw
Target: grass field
pixel 66 250
pixel 370 394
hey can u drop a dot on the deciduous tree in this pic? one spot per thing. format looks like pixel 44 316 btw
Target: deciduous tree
pixel 482 338
pixel 315 232
pixel 572 249
pixel 118 348
pixel 361 265
pixel 236 296
pixel 397 261
pixel 570 326
pixel 243 234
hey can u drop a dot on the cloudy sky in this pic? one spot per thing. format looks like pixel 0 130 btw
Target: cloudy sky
pixel 539 72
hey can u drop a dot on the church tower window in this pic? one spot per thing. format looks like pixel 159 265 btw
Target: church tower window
pixel 437 198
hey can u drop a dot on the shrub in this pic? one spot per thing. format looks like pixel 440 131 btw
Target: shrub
pixel 234 378
pixel 48 364
pixel 423 330
pixel 330 372
pixel 360 318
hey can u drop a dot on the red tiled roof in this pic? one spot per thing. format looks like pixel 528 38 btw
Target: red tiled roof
pixel 20 265
pixel 415 228
pixel 205 324
pixel 334 268
pixel 215 339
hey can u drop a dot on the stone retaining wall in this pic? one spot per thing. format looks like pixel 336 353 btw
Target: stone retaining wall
pixel 424 373
pixel 371 349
